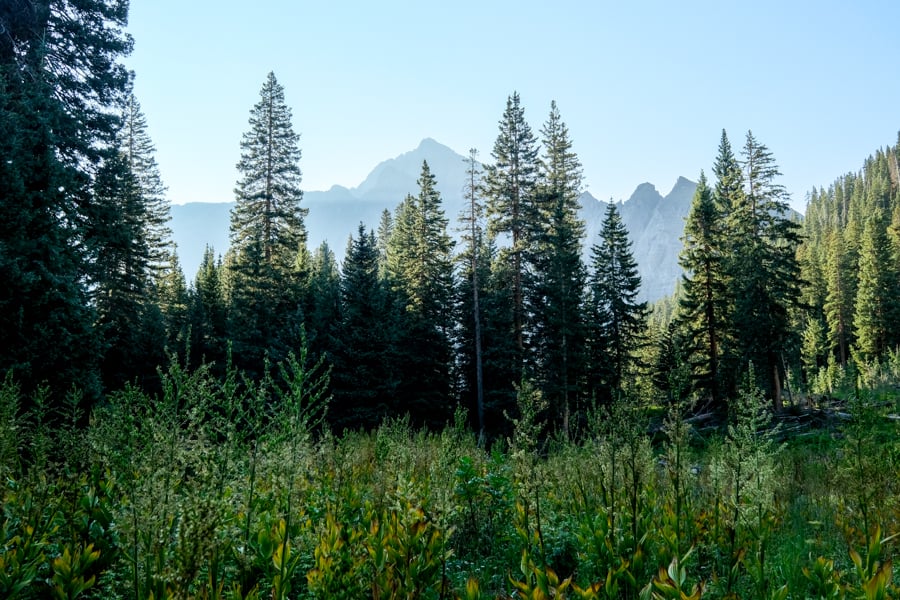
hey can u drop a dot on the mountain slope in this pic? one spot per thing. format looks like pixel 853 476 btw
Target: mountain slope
pixel 654 222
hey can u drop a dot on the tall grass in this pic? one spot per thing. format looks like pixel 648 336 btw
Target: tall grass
pixel 226 488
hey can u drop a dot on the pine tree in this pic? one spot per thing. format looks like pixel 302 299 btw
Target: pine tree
pixel 362 379
pixel 617 321
pixel 876 296
pixel 129 241
pixel 420 268
pixel 556 282
pixel 473 276
pixel 267 212
pixel 764 271
pixel 60 80
pixel 729 190
pixel 323 310
pixel 839 298
pixel 384 233
pixel 208 312
pixel 510 185
pixel 119 259
pixel 268 236
pixel 172 297
pixel 812 346
pixel 139 152
pixel 703 305
pixel 500 353
pixel 728 196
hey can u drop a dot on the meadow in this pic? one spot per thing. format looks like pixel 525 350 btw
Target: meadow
pixel 226 488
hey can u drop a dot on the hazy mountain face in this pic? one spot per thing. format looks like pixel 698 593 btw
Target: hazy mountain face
pixel 655 222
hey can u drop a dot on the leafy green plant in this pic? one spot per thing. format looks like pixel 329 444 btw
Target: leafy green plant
pixel 824 580
pixel 342 568
pixel 600 555
pixel 672 584
pixel 538 583
pixel 875 574
pixel 70 579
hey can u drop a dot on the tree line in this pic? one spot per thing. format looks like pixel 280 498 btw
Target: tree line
pixel 410 322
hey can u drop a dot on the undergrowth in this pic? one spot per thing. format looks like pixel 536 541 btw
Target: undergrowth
pixel 227 488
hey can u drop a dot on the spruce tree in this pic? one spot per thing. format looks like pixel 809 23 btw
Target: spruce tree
pixel 876 296
pixel 839 298
pixel 208 312
pixel 60 80
pixel 728 195
pixel 119 259
pixel 172 297
pixel 703 305
pixel 764 271
pixel 474 274
pixel 362 378
pixel 500 353
pixel 510 185
pixel 617 320
pixel 268 236
pixel 137 148
pixel 420 267
pixel 557 278
pixel 128 238
pixel 729 189
pixel 323 312
pixel 383 234
pixel 267 210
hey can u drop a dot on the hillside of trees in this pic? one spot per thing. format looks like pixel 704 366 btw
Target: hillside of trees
pixel 412 322
pixel 427 417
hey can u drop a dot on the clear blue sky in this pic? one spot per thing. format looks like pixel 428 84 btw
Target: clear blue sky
pixel 645 87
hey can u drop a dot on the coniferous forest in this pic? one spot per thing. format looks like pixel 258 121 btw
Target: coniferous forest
pixel 489 418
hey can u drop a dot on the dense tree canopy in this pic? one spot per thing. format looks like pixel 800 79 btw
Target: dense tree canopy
pixel 411 322
pixel 60 83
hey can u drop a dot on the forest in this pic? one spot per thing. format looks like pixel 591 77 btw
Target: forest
pixel 488 418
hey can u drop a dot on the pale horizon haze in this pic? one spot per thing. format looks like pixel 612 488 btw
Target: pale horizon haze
pixel 644 87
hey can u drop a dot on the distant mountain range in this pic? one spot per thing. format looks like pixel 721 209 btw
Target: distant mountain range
pixel 654 222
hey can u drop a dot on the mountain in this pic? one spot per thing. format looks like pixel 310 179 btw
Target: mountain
pixel 654 222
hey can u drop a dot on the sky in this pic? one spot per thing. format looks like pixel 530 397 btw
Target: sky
pixel 645 87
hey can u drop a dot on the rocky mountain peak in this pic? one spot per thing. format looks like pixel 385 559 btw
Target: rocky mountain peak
pixel 655 224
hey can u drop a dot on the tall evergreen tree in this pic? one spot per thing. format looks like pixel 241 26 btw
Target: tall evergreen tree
pixel 764 271
pixel 172 296
pixel 267 210
pixel 839 298
pixel 729 189
pixel 60 80
pixel 876 297
pixel 129 240
pixel 474 274
pixel 383 234
pixel 208 312
pixel 139 152
pixel 617 321
pixel 510 185
pixel 362 379
pixel 268 235
pixel 323 312
pixel 557 279
pixel 420 267
pixel 703 306
pixel 728 195
pixel 502 369
pixel 119 260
